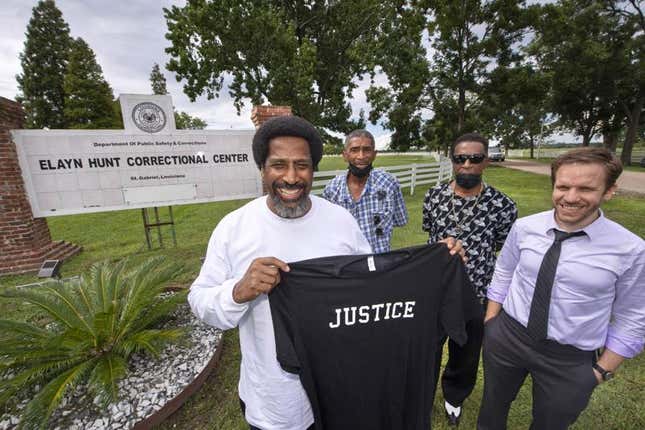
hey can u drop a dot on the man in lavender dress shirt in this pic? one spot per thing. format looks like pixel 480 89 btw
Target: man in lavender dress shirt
pixel 594 308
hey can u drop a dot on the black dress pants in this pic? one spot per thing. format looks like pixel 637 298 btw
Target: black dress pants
pixel 563 378
pixel 460 374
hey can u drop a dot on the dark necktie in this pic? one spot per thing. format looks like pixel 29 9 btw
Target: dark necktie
pixel 539 316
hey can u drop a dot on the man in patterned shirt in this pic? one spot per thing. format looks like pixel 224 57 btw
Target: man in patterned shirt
pixel 480 216
pixel 373 196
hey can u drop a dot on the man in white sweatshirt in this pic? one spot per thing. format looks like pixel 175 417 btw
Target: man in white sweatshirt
pixel 245 253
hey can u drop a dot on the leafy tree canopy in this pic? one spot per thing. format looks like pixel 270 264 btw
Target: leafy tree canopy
pixel 305 54
pixel 158 81
pixel 44 61
pixel 187 122
pixel 515 105
pixel 88 97
pixel 594 52
pixel 437 56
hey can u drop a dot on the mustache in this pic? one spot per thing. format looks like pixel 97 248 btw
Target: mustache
pixel 282 184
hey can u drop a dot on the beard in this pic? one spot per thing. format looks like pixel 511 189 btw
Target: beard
pixel 290 209
pixel 575 218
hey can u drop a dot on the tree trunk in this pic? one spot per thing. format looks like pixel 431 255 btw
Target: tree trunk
pixel 633 120
pixel 462 110
pixel 586 139
pixel 532 145
pixel 610 140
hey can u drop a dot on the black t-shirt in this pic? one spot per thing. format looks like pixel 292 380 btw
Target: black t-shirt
pixel 361 331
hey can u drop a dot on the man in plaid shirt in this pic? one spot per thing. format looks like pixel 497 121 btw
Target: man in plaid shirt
pixel 373 197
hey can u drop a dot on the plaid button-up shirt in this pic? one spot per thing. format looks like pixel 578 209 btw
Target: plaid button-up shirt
pixel 379 209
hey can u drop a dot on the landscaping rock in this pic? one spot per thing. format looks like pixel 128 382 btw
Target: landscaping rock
pixel 149 385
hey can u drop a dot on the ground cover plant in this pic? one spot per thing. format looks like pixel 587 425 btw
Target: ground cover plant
pixel 615 405
pixel 95 323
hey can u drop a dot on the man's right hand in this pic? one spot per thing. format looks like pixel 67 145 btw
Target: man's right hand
pixel 492 310
pixel 261 277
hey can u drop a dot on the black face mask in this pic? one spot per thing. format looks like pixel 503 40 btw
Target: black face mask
pixel 468 180
pixel 358 172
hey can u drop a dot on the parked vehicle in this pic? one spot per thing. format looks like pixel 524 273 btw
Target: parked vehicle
pixel 642 162
pixel 495 153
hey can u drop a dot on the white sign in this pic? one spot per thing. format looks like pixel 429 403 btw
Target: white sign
pixel 143 113
pixel 81 171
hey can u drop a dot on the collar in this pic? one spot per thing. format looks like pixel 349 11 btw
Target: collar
pixel 366 190
pixel 484 190
pixel 592 230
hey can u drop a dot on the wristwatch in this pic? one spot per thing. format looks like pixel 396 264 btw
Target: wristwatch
pixel 606 374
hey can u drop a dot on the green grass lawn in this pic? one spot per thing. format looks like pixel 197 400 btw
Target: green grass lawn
pixel 619 404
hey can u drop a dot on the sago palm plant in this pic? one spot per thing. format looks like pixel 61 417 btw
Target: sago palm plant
pixel 95 325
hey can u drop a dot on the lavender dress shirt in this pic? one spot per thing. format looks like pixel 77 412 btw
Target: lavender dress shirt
pixel 598 296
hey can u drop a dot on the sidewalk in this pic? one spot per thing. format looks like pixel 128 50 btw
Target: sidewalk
pixel 630 182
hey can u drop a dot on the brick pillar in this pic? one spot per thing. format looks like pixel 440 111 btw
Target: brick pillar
pixel 262 113
pixel 25 241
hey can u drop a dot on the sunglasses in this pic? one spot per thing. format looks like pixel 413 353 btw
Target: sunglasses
pixel 474 158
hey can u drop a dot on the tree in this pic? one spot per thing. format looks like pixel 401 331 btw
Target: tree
pixel 461 53
pixel 96 325
pixel 399 52
pixel 595 52
pixel 44 61
pixel 185 121
pixel 579 47
pixel 88 97
pixel 472 38
pixel 305 54
pixel 445 82
pixel 158 81
pixel 515 105
pixel 630 21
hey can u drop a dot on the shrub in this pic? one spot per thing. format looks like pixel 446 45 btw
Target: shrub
pixel 96 323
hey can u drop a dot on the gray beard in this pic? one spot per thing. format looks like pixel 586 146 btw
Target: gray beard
pixel 283 211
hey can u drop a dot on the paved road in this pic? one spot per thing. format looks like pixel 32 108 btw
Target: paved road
pixel 632 182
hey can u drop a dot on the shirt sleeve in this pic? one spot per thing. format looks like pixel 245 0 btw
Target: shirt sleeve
pixel 505 267
pixel 283 326
pixel 328 192
pixel 626 333
pixel 504 226
pixel 211 295
pixel 400 212
pixel 459 303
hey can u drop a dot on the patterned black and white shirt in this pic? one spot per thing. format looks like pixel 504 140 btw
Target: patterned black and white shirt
pixel 481 222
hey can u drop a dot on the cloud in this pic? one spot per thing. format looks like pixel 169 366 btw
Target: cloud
pixel 382 142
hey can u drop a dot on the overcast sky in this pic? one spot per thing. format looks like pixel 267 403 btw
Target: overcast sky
pixel 127 38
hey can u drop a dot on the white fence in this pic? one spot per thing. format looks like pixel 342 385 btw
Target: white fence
pixel 409 175
pixel 637 153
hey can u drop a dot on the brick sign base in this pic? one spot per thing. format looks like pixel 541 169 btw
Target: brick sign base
pixel 25 241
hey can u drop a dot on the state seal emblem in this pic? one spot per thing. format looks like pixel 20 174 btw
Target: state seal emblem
pixel 149 117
